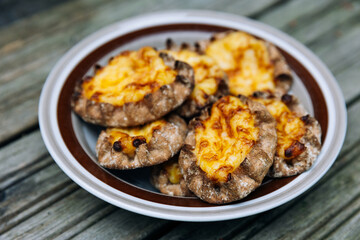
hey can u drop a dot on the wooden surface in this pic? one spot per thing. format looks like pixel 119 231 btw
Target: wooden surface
pixel 37 200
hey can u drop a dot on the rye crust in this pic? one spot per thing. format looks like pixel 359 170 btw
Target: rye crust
pixel 282 72
pixel 190 107
pixel 154 105
pixel 247 177
pixel 311 141
pixel 160 180
pixel 164 144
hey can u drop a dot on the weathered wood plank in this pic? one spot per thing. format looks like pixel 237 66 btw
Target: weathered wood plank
pixel 11 11
pixel 286 14
pixel 19 118
pixel 332 228
pixel 21 154
pixel 350 229
pixel 334 20
pixel 130 223
pixel 86 223
pixel 57 219
pixel 339 53
pixel 32 190
pixel 39 206
pixel 347 78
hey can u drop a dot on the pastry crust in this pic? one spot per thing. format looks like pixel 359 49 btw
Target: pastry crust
pixel 281 74
pixel 191 106
pixel 164 143
pixel 309 144
pixel 160 179
pixel 152 107
pixel 247 177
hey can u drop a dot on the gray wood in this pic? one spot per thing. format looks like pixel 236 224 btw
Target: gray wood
pixel 287 13
pixel 129 226
pixel 347 77
pixel 61 216
pixel 337 224
pixel 11 11
pixel 334 19
pixel 31 191
pixel 20 154
pixel 52 197
pixel 87 222
pixel 350 229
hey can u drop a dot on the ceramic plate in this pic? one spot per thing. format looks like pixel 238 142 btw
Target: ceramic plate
pixel 71 142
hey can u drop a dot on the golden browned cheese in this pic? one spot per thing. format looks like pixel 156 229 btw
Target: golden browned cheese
pixel 173 172
pixel 246 61
pixel 290 128
pixel 127 140
pixel 207 73
pixel 129 77
pixel 225 138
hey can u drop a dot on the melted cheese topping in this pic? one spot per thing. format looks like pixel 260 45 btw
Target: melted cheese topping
pixel 207 74
pixel 173 172
pixel 289 128
pixel 225 138
pixel 129 77
pixel 246 61
pixel 127 137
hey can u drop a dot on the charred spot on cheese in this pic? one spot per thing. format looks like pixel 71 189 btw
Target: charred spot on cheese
pixel 128 77
pixel 306 119
pixel 138 141
pixel 117 146
pixel 290 128
pixel 207 73
pixel 246 61
pixel 173 172
pixel 295 149
pixel 126 140
pixel 286 98
pixel 225 138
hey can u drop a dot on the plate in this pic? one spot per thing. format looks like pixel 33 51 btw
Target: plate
pixel 71 142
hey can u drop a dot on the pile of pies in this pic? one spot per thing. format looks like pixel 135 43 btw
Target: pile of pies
pixel 212 119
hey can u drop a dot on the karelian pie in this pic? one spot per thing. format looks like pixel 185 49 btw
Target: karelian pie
pixel 251 64
pixel 299 135
pixel 168 179
pixel 229 150
pixel 147 145
pixel 210 80
pixel 136 87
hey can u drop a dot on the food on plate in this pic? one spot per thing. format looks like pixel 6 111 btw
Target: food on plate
pixel 147 145
pixel 251 64
pixel 228 150
pixel 299 135
pixel 168 179
pixel 210 80
pixel 136 87
pixel 247 125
